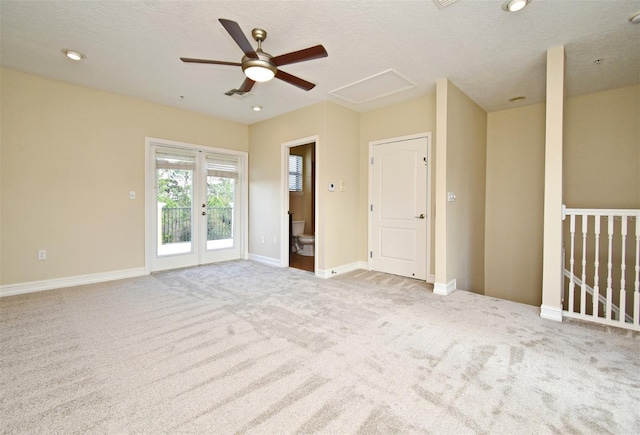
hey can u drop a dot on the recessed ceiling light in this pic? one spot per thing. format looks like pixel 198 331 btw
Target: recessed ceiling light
pixel 516 99
pixel 635 18
pixel 257 108
pixel 514 5
pixel 72 54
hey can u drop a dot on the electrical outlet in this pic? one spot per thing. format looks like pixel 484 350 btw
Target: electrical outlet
pixel 132 194
pixel 42 255
pixel 275 239
pixel 262 239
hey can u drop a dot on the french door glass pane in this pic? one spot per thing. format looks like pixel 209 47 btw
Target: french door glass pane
pixel 174 201
pixel 220 202
pixel 222 175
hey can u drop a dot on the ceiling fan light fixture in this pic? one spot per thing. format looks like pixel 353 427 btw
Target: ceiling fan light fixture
pixel 259 66
pixel 514 5
pixel 261 69
pixel 259 73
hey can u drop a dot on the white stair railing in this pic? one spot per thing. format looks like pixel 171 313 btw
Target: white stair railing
pixel 599 299
pixel 617 306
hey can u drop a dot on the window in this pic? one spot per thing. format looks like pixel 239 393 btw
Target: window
pixel 295 173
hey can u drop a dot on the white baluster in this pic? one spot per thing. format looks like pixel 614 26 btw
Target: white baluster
pixel 636 293
pixel 623 269
pixel 583 287
pixel 609 266
pixel 596 287
pixel 572 232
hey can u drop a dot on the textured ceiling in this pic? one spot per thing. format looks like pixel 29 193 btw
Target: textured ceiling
pixel 133 48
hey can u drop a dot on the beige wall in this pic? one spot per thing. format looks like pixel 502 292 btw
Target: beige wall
pixel 466 165
pixel 337 159
pixel 412 117
pixel 514 200
pixel 601 170
pixel 265 169
pixel 340 161
pixel 70 156
pixel 602 149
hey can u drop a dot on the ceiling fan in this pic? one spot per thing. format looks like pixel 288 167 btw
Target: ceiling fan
pixel 259 66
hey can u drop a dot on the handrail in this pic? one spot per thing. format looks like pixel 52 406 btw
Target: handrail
pixel 632 212
pixel 176 223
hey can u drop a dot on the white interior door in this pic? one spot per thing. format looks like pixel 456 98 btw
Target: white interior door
pixel 399 214
pixel 194 207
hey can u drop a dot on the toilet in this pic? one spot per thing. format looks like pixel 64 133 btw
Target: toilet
pixel 304 243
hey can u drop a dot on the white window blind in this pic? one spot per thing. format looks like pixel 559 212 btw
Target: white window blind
pixel 222 166
pixel 295 173
pixel 175 161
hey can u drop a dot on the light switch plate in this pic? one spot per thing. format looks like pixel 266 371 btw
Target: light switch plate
pixel 451 196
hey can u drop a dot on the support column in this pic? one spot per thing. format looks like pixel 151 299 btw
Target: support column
pixel 552 244
pixel 440 285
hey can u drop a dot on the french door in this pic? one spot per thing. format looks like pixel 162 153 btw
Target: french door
pixel 195 205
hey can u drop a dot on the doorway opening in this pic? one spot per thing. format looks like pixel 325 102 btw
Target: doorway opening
pixel 302 211
pixel 299 189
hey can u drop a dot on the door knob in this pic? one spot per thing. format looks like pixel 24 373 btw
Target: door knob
pixel 421 216
pixel 204 213
pixel 204 205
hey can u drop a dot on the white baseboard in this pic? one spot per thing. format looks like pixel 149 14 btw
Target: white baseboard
pixel 551 313
pixel 444 289
pixel 342 269
pixel 265 260
pixel 71 281
pixel 319 273
pixel 431 279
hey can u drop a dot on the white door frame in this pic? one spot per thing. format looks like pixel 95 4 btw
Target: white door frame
pixel 284 200
pixel 150 199
pixel 427 135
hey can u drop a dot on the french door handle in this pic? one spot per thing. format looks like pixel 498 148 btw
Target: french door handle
pixel 204 205
pixel 420 217
pixel 204 213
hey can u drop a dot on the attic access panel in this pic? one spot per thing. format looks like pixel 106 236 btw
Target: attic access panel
pixel 373 87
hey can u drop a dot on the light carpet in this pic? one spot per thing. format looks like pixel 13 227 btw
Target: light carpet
pixel 241 347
